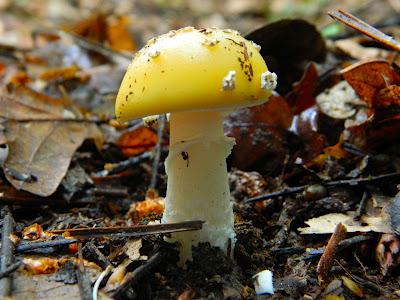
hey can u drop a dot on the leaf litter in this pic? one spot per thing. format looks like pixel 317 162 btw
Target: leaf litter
pixel 324 148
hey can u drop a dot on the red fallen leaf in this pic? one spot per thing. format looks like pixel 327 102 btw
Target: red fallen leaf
pixel 93 28
pixel 372 134
pixel 101 28
pixel 302 95
pixel 137 141
pixel 259 131
pixel 305 125
pixel 368 78
pixel 2 69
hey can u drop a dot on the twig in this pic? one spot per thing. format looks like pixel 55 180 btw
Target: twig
pixel 352 182
pixel 288 251
pixel 365 28
pixel 315 253
pixel 131 231
pixel 29 246
pixel 123 165
pixel 99 280
pixel 157 151
pixel 361 208
pixel 85 286
pixel 284 192
pixel 10 269
pixel 65 120
pixel 136 275
pixel 85 43
pixel 96 254
pixel 111 191
pixel 327 258
pixel 6 254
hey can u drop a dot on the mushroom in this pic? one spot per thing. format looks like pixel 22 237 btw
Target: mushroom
pixel 197 76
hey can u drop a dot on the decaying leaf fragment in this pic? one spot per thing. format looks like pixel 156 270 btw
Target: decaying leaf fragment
pixel 327 223
pixel 339 102
pixel 369 77
pixel 42 135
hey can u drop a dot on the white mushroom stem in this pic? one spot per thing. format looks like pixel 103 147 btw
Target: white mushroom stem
pixel 198 180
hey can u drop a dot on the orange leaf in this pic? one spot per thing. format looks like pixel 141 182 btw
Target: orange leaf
pixel 43 265
pixel 153 204
pixel 137 141
pixel 118 36
pixel 335 151
pixel 65 73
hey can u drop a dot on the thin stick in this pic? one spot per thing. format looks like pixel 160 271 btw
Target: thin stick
pixel 85 43
pixel 362 206
pixel 6 255
pixel 29 246
pixel 123 165
pixel 10 269
pixel 136 275
pixel 131 231
pixel 333 183
pixel 157 151
pixel 365 28
pixel 85 286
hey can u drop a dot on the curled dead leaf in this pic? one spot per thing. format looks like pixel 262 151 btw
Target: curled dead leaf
pixel 388 252
pixel 368 77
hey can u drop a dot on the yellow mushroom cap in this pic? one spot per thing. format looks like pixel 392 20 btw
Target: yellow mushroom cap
pixel 193 70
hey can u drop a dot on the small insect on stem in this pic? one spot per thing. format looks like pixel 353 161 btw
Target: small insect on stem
pixel 185 156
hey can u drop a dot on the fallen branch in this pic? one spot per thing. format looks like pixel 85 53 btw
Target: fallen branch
pixel 333 183
pixel 137 274
pixel 364 28
pixel 130 231
pixel 7 255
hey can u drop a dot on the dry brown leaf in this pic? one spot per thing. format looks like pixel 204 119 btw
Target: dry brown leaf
pixel 340 101
pixel 118 36
pixel 369 77
pixel 259 131
pixel 327 223
pixel 41 143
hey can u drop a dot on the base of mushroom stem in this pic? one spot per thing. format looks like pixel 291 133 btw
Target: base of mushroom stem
pixel 198 186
